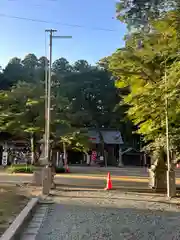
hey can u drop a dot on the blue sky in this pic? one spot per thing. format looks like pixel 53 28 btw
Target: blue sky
pixel 19 37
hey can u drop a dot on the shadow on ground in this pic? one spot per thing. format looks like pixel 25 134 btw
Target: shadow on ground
pixel 145 190
pixel 95 188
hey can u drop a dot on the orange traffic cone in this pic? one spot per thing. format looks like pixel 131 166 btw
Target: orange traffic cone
pixel 109 183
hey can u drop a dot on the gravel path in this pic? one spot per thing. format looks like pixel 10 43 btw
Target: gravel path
pixel 81 215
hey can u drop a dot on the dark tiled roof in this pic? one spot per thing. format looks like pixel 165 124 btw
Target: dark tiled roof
pixel 109 137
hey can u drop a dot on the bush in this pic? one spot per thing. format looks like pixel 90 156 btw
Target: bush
pixel 19 168
pixel 60 170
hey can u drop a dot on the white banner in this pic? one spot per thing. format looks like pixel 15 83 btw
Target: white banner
pixel 4 158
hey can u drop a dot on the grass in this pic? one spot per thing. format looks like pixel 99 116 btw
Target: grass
pixel 12 200
pixel 20 168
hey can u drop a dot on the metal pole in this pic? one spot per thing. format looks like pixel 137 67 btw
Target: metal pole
pixel 49 97
pixel 48 176
pixel 167 141
pixel 46 92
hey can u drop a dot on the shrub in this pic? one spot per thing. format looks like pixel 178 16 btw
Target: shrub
pixel 60 170
pixel 21 168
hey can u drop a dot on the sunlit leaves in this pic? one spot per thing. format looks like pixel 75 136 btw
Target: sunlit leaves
pixel 143 70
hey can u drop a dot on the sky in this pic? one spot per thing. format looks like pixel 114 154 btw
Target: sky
pixel 95 31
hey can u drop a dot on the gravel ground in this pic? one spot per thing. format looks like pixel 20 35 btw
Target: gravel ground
pixel 83 215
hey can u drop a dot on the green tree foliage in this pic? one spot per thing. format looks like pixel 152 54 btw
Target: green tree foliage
pixel 13 72
pixel 81 66
pixel 61 66
pixel 142 69
pixel 90 91
pixel 22 109
pixel 82 96
pixel 91 94
pixel 137 13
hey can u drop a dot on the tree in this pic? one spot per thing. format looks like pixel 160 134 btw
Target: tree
pixel 22 111
pixel 4 82
pixel 91 94
pixel 30 61
pixel 89 90
pixel 43 62
pixel 81 66
pixel 30 64
pixel 143 71
pixel 83 96
pixel 93 98
pixel 138 13
pixel 61 66
pixel 13 72
pixel 30 69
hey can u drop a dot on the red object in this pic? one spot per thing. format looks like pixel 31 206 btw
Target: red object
pixel 109 183
pixel 92 138
pixel 67 169
pixel 94 155
pixel 177 165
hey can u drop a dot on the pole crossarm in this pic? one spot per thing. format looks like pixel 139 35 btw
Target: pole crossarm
pixel 62 37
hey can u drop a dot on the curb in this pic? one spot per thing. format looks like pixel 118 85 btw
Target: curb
pixel 15 228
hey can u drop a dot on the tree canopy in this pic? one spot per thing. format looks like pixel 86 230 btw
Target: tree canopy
pixel 83 96
pixel 149 66
pixel 138 13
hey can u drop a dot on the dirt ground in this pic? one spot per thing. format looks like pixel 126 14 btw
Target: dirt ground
pixel 12 200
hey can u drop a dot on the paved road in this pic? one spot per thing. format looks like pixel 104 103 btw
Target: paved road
pixel 83 181
pixel 124 171
pixel 98 215
pixel 93 178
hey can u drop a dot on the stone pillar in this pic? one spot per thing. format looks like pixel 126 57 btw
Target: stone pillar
pixel 46 180
pixel 37 178
pixel 43 160
pixel 157 179
pixel 152 179
pixel 120 164
pixel 161 180
pixel 172 183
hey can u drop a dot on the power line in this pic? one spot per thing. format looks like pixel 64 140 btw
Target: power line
pixel 58 23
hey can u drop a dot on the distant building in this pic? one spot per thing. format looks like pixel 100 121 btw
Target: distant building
pixel 133 157
pixel 112 141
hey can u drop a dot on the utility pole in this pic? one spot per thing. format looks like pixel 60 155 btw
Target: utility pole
pixel 48 94
pixel 167 140
pixel 48 99
pixel 171 184
pixel 45 117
